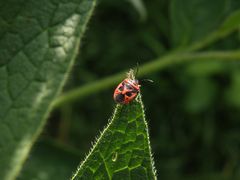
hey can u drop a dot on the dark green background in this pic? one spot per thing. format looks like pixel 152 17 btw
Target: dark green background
pixel 192 109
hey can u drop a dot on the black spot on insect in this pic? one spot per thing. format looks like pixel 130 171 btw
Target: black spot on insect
pixel 119 98
pixel 129 94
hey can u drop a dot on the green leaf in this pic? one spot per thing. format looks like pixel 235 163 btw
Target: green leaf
pixel 49 160
pixel 38 43
pixel 123 150
pixel 140 8
pixel 229 25
pixel 211 17
pixel 232 22
pixel 193 20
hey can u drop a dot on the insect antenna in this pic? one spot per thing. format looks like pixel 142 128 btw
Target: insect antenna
pixel 147 80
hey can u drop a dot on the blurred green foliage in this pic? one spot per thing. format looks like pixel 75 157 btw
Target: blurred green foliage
pixel 193 109
pixel 49 160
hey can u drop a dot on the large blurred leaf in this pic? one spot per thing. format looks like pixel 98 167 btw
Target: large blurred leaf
pixel 38 43
pixel 49 161
pixel 193 20
pixel 123 149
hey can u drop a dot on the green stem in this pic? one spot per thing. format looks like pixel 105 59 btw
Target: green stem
pixel 228 27
pixel 153 66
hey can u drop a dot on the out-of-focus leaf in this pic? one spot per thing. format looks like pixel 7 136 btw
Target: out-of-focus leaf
pixel 140 7
pixel 229 25
pixel 39 41
pixel 232 22
pixel 193 20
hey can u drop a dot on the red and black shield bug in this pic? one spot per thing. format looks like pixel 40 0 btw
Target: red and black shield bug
pixel 127 90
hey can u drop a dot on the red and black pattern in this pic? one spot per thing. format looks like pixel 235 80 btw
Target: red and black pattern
pixel 126 91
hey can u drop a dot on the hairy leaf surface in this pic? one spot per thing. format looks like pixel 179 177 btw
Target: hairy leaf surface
pixel 38 43
pixel 123 149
